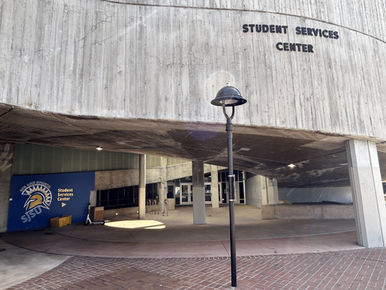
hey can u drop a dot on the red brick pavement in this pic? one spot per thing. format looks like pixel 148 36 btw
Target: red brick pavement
pixel 364 269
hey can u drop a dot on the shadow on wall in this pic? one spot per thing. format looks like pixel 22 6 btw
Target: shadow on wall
pixel 316 195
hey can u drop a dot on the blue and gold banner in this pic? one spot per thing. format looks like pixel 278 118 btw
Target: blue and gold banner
pixel 35 199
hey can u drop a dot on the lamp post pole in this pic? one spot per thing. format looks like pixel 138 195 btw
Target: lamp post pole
pixel 231 179
pixel 230 97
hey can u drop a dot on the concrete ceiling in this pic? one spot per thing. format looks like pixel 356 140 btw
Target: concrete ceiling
pixel 320 159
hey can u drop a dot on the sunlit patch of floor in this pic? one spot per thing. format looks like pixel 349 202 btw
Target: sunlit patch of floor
pixel 137 224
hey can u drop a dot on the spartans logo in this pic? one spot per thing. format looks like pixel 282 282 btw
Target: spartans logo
pixel 39 198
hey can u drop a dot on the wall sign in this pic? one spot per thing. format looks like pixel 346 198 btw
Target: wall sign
pixel 38 198
pixel 283 29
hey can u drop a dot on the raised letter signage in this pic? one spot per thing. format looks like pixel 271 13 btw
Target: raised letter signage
pixel 283 29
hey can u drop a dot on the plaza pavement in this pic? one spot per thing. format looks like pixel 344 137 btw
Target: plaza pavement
pixel 169 252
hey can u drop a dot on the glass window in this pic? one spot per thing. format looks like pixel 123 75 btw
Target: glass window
pixel 241 176
pixel 241 191
pixel 186 179
pixel 118 197
pixel 208 193
pixel 151 191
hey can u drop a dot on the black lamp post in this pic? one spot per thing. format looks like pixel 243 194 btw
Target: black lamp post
pixel 230 97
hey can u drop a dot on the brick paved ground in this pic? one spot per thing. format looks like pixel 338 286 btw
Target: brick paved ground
pixel 364 269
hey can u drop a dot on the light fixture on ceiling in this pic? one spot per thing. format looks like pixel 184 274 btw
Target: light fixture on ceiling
pixel 291 165
pixel 99 148
pixel 245 149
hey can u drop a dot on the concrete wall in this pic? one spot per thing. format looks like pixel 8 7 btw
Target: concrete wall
pixel 122 178
pixel 334 194
pixel 318 211
pixel 89 57
pixel 6 155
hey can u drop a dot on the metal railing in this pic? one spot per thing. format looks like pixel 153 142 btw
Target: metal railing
pixel 157 207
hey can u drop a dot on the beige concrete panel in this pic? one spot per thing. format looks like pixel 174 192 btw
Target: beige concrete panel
pixel 253 190
pixel 179 171
pixel 199 216
pixel 263 190
pixel 297 212
pixel 360 15
pixel 272 191
pixel 317 211
pixel 115 179
pixel 338 212
pixel 168 61
pixel 122 178
pixel 163 185
pixel 142 187
pixel 267 212
pixel 171 204
pixel 214 186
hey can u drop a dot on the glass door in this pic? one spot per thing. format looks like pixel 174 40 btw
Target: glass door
pixel 170 193
pixel 186 194
pixel 224 192
pixel 208 193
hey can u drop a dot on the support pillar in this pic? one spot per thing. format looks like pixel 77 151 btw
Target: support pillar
pixel 272 191
pixel 366 187
pixel 199 216
pixel 142 187
pixel 6 160
pixel 214 186
pixel 253 189
pixel 163 186
pixel 261 190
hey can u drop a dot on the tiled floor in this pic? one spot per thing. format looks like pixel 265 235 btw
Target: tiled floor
pixel 363 269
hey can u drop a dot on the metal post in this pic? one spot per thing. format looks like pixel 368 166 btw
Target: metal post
pixel 231 178
pixel 230 97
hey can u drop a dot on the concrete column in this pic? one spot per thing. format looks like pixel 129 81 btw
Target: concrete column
pixel 366 186
pixel 163 186
pixel 142 187
pixel 6 159
pixel 272 191
pixel 263 190
pixel 199 217
pixel 214 186
pixel 253 189
pixel 93 198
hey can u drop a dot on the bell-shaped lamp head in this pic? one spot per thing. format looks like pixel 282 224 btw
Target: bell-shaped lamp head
pixel 228 96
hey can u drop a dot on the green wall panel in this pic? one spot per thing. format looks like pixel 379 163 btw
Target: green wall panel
pixel 37 159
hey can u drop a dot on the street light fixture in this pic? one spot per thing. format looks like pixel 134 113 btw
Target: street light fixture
pixel 230 97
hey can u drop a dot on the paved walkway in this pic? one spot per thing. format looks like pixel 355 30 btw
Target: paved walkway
pixel 169 252
pixel 363 269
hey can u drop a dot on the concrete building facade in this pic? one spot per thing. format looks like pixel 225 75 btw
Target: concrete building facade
pixel 138 77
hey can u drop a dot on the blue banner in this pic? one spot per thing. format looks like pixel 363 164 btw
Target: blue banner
pixel 35 199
